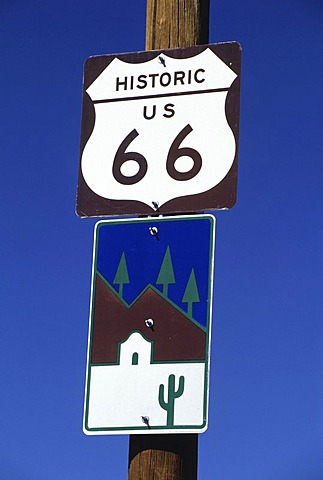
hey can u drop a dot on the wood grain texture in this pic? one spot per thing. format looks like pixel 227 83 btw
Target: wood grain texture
pixel 169 24
pixel 176 23
pixel 163 457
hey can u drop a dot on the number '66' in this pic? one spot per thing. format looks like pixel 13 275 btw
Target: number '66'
pixel 174 153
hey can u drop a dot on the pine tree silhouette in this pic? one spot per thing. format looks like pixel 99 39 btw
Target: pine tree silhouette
pixel 121 276
pixel 191 294
pixel 166 272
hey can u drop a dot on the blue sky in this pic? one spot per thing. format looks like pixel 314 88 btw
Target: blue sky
pixel 266 394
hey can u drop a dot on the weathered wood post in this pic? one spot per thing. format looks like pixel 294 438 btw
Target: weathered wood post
pixel 170 24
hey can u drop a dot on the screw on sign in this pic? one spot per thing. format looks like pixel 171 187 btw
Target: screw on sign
pixel 160 131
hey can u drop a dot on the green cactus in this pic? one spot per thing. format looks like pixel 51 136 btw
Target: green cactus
pixel 172 395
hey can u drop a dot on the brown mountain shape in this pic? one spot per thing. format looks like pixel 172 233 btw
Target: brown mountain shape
pixel 176 338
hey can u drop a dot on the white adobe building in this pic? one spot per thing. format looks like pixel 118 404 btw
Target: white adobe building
pixel 119 395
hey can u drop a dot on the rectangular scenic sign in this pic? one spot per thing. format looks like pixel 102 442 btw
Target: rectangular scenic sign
pixel 149 332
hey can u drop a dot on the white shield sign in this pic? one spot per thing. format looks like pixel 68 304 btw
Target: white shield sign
pixel 157 133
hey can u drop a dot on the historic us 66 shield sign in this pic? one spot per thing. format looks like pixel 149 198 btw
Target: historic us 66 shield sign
pixel 149 333
pixel 160 131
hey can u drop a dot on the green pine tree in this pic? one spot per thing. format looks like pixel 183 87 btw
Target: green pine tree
pixel 166 272
pixel 121 276
pixel 191 294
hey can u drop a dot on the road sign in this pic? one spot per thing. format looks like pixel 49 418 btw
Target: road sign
pixel 149 332
pixel 160 131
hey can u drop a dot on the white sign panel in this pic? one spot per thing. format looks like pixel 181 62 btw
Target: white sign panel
pixel 159 132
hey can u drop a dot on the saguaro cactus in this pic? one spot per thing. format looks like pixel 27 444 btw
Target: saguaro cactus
pixel 172 395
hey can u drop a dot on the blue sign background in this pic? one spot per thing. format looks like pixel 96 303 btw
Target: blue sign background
pixel 189 239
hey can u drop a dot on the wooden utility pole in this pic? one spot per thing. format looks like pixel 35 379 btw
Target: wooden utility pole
pixel 177 23
pixel 169 24
pixel 163 457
